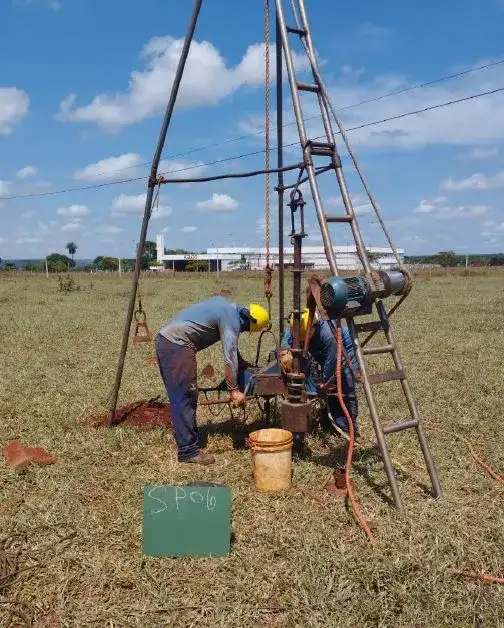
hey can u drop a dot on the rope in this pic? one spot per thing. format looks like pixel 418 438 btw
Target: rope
pixel 351 436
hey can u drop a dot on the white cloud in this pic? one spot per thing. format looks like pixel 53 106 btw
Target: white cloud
pixel 161 212
pixel 3 240
pixel 480 154
pixel 28 214
pixel 477 181
pixel 109 229
pixel 218 203
pixel 125 204
pixel 188 229
pixel 36 236
pixel 128 204
pixel 438 208
pixel 165 229
pixel 27 171
pixel 452 125
pixel 109 168
pixel 74 211
pixel 492 228
pixel 360 203
pixel 207 80
pixel 181 170
pixel 4 187
pixel 14 105
pixel 73 226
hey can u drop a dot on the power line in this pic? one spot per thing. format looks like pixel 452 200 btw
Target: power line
pixel 257 152
pixel 345 108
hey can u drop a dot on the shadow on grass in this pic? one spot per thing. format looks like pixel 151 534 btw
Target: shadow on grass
pixel 363 458
pixel 361 465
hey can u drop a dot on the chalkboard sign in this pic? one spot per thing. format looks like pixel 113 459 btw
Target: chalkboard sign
pixel 193 520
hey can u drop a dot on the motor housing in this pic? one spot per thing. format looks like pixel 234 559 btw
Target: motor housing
pixel 348 296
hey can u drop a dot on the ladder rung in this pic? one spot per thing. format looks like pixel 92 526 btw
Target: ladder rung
pixel 321 149
pixel 367 327
pixel 388 376
pixel 342 218
pixel 377 350
pixel 399 427
pixel 296 31
pixel 304 87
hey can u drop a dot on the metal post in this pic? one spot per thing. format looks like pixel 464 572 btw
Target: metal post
pixel 217 263
pixel 148 201
pixel 120 270
pixel 297 271
pixel 46 268
pixel 279 124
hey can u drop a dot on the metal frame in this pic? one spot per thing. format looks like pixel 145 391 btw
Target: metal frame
pixel 310 149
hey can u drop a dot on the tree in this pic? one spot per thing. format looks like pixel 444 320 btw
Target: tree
pixel 373 257
pixel 72 250
pixel 447 258
pixel 8 266
pixel 197 266
pixel 150 250
pixel 57 263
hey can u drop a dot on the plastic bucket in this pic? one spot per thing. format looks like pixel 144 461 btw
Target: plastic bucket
pixel 271 459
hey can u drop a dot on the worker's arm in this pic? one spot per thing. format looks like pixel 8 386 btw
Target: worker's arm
pixel 285 356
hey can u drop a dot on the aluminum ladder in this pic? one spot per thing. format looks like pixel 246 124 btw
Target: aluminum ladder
pixel 314 148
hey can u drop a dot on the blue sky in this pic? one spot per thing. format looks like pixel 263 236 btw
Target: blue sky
pixel 84 83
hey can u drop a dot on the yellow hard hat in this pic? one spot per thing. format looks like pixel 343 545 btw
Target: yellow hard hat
pixel 305 315
pixel 260 315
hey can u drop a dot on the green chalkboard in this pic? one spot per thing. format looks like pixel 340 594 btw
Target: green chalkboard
pixel 193 520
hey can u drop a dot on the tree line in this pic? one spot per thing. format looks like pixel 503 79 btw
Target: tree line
pixel 448 259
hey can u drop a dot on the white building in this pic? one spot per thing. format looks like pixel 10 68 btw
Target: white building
pixel 255 258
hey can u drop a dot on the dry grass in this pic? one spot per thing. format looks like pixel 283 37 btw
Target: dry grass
pixel 298 559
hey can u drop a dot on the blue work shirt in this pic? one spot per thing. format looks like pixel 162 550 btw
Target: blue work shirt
pixel 203 324
pixel 323 350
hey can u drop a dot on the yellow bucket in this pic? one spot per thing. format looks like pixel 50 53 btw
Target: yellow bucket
pixel 271 459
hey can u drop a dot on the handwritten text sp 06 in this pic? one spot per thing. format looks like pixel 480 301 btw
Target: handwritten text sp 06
pixel 183 497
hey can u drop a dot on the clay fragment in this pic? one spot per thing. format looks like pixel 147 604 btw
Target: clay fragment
pixel 19 457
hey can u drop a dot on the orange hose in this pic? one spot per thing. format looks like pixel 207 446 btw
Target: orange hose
pixel 351 434
pixel 482 463
pixel 482 576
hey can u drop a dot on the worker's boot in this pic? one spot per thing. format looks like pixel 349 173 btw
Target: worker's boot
pixel 202 457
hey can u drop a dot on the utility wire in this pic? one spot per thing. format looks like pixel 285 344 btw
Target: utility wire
pixel 257 152
pixel 345 108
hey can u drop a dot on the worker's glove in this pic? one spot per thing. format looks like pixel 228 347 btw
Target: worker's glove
pixel 286 359
pixel 237 398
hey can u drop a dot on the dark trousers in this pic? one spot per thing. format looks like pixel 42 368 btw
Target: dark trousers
pixel 177 365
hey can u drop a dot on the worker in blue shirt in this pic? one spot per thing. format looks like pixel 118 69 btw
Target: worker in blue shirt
pixel 191 330
pixel 323 350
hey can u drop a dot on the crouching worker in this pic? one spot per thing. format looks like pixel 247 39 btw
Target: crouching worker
pixel 323 350
pixel 193 329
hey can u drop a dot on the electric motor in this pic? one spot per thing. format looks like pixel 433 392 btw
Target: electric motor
pixel 342 295
pixel 346 296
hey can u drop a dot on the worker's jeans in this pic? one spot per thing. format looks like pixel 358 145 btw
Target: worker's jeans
pixel 177 365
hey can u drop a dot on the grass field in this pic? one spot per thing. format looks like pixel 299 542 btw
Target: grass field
pixel 298 559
